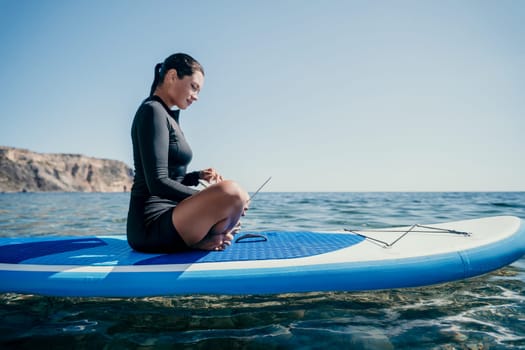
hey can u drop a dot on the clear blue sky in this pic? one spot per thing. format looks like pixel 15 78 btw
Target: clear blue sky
pixel 322 95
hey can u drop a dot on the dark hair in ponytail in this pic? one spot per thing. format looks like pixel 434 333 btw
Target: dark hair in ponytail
pixel 184 65
pixel 156 80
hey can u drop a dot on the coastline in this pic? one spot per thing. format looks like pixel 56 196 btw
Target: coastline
pixel 22 170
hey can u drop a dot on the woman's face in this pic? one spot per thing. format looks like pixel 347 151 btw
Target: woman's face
pixel 183 92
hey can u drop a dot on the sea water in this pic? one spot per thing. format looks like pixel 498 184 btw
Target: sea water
pixel 486 312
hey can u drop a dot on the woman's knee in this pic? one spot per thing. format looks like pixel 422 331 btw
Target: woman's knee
pixel 233 192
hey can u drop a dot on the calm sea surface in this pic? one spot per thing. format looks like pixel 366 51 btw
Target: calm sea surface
pixel 487 312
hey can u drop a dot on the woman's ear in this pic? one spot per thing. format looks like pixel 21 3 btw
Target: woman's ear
pixel 172 74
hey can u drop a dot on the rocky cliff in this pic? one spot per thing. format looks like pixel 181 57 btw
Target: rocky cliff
pixel 23 170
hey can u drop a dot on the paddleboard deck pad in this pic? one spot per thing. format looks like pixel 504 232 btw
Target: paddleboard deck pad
pixel 264 262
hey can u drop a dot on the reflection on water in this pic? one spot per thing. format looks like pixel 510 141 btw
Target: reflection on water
pixel 480 313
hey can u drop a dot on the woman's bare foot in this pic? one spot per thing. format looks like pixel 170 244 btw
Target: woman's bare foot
pixel 236 229
pixel 214 242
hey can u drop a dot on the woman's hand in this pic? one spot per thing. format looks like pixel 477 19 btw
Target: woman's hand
pixel 210 175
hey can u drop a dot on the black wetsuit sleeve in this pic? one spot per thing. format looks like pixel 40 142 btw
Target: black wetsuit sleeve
pixel 153 139
pixel 191 179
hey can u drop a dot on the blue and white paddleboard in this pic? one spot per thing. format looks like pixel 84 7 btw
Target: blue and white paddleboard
pixel 269 262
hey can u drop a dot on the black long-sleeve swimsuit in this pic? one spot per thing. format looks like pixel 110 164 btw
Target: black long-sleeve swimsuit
pixel 161 155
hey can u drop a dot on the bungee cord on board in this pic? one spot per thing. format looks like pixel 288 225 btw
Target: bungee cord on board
pixel 412 229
